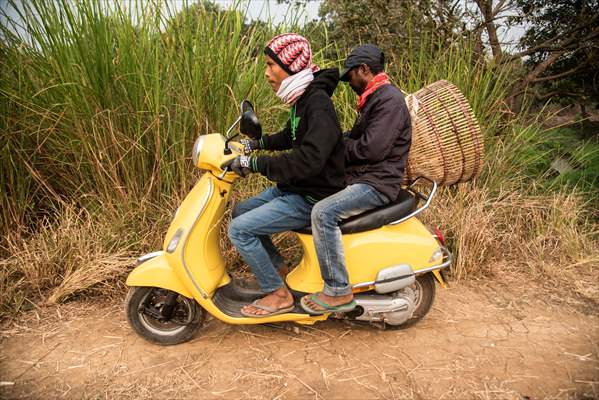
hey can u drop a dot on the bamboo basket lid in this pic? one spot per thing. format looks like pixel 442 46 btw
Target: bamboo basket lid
pixel 447 144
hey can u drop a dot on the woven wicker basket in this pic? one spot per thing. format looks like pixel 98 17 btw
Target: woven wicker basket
pixel 447 145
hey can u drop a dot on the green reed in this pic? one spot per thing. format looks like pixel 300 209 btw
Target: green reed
pixel 103 103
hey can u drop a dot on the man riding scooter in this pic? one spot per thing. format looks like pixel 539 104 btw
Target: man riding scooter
pixel 392 258
pixel 311 171
pixel 376 152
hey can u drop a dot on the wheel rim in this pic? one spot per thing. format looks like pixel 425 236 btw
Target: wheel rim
pixel 417 287
pixel 183 309
pixel 415 291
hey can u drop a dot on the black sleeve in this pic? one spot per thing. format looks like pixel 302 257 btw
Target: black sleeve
pixel 278 141
pixel 310 157
pixel 385 122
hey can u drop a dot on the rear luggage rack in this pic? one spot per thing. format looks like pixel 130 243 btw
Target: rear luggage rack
pixel 428 199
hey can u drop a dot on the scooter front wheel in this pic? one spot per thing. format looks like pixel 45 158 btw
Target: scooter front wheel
pixel 153 319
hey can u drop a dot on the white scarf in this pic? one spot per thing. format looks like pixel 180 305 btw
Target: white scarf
pixel 294 86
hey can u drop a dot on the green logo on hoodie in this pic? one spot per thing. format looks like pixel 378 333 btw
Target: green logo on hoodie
pixel 294 122
pixel 294 125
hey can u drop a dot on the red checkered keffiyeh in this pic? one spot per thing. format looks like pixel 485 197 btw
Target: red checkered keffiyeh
pixel 292 52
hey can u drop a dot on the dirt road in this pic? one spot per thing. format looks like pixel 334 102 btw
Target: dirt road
pixel 475 344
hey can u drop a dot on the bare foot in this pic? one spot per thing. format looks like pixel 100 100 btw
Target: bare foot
pixel 279 299
pixel 330 300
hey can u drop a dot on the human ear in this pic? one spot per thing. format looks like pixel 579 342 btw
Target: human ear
pixel 365 69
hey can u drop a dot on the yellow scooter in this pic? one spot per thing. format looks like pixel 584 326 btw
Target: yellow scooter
pixel 392 259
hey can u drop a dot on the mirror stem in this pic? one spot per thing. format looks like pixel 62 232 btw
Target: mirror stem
pixel 232 126
pixel 229 131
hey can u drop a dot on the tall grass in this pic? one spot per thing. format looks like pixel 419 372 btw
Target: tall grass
pixel 101 105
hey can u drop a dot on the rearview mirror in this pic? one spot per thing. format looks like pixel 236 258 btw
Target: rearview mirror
pixel 249 124
pixel 246 105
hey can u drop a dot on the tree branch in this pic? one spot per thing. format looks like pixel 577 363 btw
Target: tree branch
pixel 556 93
pixel 486 9
pixel 499 8
pixel 560 75
pixel 546 44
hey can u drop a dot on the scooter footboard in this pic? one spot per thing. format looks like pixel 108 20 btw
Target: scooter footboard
pixel 156 272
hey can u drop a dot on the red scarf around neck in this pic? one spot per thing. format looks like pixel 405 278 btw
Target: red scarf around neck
pixel 376 82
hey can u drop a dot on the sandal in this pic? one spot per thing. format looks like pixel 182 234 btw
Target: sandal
pixel 327 308
pixel 271 310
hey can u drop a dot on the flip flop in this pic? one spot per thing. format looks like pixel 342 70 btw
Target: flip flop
pixel 327 308
pixel 271 310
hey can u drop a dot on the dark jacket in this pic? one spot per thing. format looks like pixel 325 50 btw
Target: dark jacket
pixel 314 167
pixel 376 149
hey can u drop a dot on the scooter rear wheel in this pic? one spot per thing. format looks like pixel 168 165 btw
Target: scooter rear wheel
pixel 424 288
pixel 143 306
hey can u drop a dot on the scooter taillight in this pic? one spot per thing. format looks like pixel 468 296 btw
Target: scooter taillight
pixel 439 236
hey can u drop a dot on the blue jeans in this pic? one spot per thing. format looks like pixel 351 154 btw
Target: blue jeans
pixel 271 211
pixel 326 214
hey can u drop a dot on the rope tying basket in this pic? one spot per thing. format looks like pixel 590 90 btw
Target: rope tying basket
pixel 447 145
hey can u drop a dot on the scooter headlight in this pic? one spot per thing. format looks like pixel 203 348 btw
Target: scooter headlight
pixel 197 147
pixel 174 242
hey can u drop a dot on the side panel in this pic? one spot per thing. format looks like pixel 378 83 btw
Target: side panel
pixel 203 253
pixel 367 252
pixel 156 272
pixel 197 259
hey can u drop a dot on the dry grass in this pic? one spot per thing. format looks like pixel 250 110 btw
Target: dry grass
pixel 76 252
pixel 127 135
pixel 511 232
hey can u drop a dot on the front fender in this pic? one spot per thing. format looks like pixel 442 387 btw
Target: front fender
pixel 156 272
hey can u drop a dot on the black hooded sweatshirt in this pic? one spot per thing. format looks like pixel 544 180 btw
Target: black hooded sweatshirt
pixel 314 168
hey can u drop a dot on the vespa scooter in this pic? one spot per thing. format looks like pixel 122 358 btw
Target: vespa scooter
pixel 392 258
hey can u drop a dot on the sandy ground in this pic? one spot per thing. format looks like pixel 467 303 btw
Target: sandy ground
pixel 476 343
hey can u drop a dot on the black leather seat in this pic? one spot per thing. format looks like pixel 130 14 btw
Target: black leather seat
pixel 372 219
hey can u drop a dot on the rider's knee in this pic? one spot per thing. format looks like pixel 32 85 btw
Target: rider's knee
pixel 235 229
pixel 320 213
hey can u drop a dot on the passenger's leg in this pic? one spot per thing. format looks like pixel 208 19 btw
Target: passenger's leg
pixel 326 214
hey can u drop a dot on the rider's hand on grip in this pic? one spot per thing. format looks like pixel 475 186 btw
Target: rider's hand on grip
pixel 249 145
pixel 240 165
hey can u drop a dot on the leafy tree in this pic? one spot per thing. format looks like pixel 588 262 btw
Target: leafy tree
pixel 560 49
pixel 392 24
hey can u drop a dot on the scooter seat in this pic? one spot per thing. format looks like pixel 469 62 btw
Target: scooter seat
pixel 373 219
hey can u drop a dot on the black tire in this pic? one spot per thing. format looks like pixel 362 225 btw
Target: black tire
pixel 425 288
pixel 187 318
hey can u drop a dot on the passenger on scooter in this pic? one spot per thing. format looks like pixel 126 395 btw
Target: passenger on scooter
pixel 376 152
pixel 311 171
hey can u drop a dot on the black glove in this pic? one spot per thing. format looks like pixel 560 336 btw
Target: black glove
pixel 249 145
pixel 240 165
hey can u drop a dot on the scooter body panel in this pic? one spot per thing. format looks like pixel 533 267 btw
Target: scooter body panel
pixel 157 272
pixel 194 267
pixel 196 257
pixel 366 253
pixel 288 317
